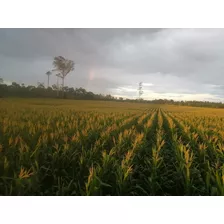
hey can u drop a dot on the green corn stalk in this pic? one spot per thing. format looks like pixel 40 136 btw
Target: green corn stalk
pixel 91 185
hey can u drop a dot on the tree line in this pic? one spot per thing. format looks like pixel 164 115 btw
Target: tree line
pixel 63 67
pixel 40 91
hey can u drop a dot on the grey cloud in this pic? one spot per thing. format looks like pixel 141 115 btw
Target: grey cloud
pixel 179 61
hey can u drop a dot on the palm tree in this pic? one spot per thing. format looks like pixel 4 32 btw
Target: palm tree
pixel 48 79
pixel 64 66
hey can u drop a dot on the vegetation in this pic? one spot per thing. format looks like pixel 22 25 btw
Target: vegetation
pixel 63 66
pixel 39 91
pixel 67 147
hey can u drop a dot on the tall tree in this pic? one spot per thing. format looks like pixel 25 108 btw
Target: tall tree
pixel 1 81
pixel 48 73
pixel 58 76
pixel 64 66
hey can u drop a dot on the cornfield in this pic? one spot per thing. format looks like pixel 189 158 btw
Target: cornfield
pixel 108 148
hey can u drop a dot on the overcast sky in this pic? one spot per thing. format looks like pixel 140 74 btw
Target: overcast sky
pixel 182 64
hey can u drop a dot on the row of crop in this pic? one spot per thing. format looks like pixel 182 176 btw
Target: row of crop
pixel 183 160
pixel 146 160
pixel 57 164
pixel 113 174
pixel 207 169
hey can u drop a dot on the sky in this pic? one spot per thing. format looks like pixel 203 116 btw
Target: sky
pixel 178 64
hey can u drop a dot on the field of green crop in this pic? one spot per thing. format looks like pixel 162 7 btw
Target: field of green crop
pixel 67 147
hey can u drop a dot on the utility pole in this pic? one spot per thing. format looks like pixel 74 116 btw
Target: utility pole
pixel 140 91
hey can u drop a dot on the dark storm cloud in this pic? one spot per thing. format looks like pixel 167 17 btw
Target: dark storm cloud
pixel 178 61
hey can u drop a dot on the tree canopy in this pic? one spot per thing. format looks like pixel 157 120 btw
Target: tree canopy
pixel 17 90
